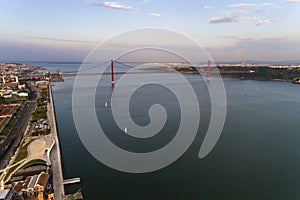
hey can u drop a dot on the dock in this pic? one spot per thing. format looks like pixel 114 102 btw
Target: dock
pixel 71 181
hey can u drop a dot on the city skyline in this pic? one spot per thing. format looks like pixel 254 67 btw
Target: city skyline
pixel 69 30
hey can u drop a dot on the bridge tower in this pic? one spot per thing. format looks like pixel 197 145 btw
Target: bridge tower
pixel 243 63
pixel 244 69
pixel 112 73
pixel 208 70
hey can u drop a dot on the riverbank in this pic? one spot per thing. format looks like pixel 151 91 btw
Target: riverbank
pixel 55 156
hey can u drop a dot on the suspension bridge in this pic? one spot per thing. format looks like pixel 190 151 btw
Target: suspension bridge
pixel 92 70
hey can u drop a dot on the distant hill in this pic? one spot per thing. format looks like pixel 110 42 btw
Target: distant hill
pixel 284 62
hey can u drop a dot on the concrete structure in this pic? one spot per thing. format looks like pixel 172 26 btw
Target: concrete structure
pixel 78 196
pixel 71 181
pixel 55 156
pixel 6 194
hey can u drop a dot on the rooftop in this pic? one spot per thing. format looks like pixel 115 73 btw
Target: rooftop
pixel 42 179
pixel 4 193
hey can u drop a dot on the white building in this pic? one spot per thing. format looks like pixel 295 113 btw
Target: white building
pixel 23 94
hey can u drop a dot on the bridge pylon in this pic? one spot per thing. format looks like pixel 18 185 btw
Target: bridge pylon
pixel 112 73
pixel 208 70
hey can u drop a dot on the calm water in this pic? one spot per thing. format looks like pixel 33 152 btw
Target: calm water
pixel 257 156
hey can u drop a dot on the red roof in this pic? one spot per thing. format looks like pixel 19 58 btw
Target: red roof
pixel 42 180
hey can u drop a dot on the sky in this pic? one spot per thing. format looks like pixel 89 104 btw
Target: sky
pixel 67 30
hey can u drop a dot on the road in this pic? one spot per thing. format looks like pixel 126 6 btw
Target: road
pixel 14 136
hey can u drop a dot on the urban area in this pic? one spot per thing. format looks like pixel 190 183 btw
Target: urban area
pixel 30 160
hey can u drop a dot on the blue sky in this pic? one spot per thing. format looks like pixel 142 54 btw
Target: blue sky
pixel 66 30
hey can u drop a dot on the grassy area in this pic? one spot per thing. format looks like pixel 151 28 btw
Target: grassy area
pixel 42 101
pixel 35 162
pixel 264 73
pixel 11 122
pixel 22 154
pixel 24 165
pixel 39 113
pixel 40 132
pixel 41 110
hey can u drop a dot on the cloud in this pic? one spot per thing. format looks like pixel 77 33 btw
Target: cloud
pixel 257 48
pixel 154 14
pixel 263 21
pixel 248 13
pixel 145 1
pixel 267 4
pixel 61 40
pixel 243 5
pixel 247 40
pixel 238 39
pixel 293 1
pixel 219 20
pixel 109 4
pixel 208 7
pixel 241 19
pixel 115 5
pixel 256 20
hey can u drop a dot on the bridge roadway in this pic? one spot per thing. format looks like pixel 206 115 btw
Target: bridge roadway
pixel 151 72
pixel 116 73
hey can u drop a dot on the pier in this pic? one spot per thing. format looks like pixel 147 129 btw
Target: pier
pixel 71 181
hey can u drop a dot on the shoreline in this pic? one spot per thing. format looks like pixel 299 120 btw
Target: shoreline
pixel 55 156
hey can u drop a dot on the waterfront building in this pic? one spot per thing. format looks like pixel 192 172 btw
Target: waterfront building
pixel 6 194
pixel 32 188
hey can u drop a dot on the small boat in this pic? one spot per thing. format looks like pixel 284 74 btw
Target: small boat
pixel 125 130
pixel 296 82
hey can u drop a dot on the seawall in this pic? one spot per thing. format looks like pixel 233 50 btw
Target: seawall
pixel 55 156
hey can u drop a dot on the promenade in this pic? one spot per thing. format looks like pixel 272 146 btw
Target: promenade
pixel 55 156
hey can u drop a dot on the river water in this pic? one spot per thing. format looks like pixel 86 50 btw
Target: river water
pixel 256 157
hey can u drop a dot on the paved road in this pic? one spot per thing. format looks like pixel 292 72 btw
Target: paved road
pixel 55 156
pixel 15 134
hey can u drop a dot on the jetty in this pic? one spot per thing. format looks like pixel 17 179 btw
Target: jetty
pixel 71 181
